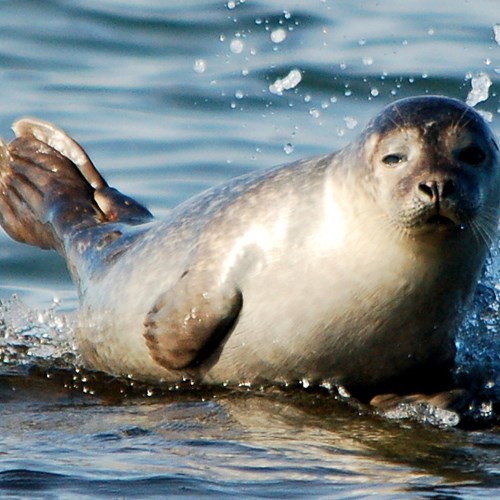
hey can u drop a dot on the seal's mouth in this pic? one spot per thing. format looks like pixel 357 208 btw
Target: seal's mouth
pixel 440 220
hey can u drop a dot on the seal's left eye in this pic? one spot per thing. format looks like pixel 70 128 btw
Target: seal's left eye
pixel 473 155
pixel 394 159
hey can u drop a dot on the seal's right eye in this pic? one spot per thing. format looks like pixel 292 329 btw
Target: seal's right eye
pixel 394 159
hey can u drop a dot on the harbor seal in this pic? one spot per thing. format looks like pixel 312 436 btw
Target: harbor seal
pixel 353 267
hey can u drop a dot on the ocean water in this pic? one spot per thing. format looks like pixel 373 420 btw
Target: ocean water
pixel 170 98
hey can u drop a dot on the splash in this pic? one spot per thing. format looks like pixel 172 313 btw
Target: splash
pixel 478 343
pixel 29 337
pixel 480 84
pixel 290 81
pixel 425 413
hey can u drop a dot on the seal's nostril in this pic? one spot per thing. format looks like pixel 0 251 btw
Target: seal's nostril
pixel 447 188
pixel 437 190
pixel 428 189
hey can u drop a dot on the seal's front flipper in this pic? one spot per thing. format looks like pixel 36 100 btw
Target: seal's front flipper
pixel 423 407
pixel 49 188
pixel 184 329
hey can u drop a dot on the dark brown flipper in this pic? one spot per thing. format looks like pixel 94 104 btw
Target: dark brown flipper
pixel 187 325
pixel 50 188
pixel 456 400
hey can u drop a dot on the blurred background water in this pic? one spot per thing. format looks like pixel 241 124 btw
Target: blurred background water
pixel 170 98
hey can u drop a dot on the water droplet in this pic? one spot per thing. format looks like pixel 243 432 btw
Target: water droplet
pixel 288 148
pixel 350 122
pixel 326 384
pixel 236 46
pixel 496 32
pixel 315 112
pixel 480 89
pixel 290 81
pixel 374 92
pixel 278 35
pixel 200 65
pixel 343 392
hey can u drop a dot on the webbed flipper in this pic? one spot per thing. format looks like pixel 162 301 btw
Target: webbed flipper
pixel 423 407
pixel 49 187
pixel 185 328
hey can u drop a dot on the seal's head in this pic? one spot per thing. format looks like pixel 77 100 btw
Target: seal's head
pixel 436 166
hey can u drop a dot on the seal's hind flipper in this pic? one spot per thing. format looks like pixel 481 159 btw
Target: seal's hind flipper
pixel 59 140
pixel 50 188
pixel 187 327
pixel 114 205
pixel 41 192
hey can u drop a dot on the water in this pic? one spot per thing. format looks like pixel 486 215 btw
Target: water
pixel 170 98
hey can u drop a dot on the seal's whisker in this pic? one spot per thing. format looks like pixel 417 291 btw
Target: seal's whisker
pixel 400 126
pixel 482 233
pixel 458 126
pixel 396 232
pixel 489 218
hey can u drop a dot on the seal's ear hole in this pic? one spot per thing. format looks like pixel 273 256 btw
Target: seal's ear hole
pixel 472 155
pixel 394 159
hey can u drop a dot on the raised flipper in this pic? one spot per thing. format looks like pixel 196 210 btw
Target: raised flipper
pixel 47 133
pixel 188 324
pixel 49 187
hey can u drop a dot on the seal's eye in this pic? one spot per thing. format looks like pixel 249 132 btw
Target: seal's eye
pixel 394 159
pixel 473 155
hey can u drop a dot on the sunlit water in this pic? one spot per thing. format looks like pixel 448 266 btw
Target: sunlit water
pixel 170 98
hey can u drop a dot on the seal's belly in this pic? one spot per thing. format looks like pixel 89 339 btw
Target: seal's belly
pixel 295 324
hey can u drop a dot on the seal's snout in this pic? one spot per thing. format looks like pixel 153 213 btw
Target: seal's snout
pixel 435 191
pixel 439 201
